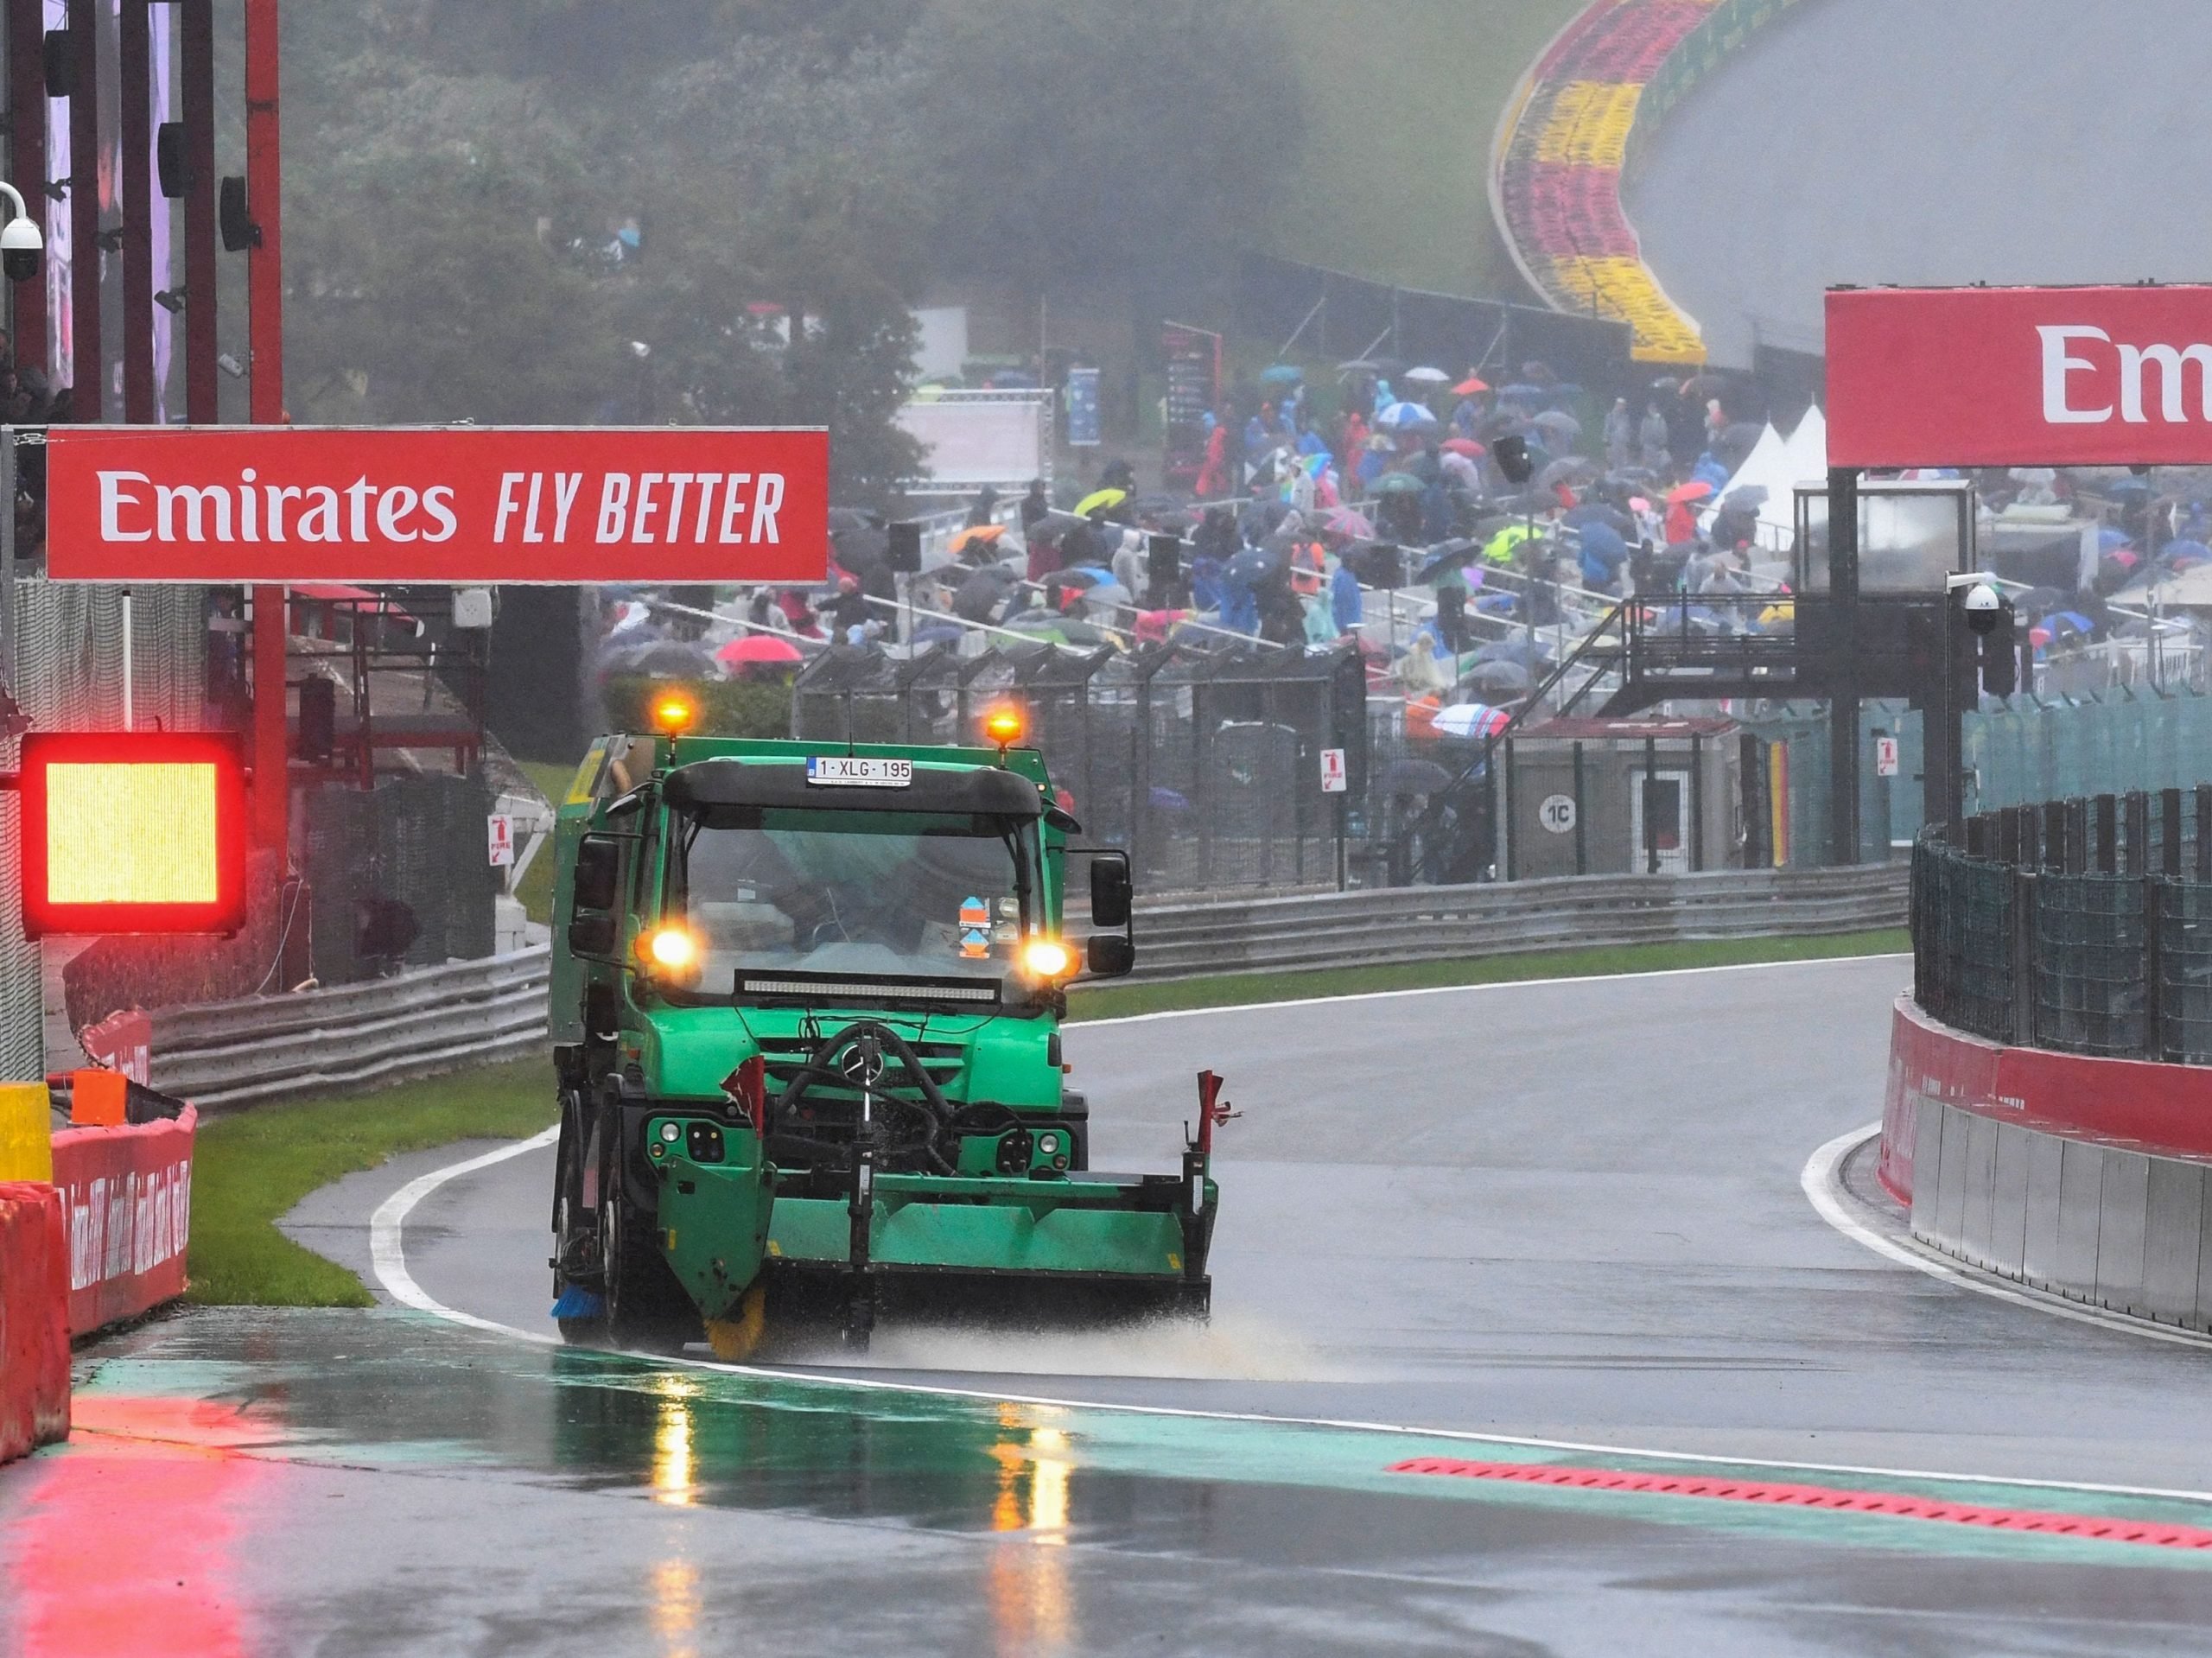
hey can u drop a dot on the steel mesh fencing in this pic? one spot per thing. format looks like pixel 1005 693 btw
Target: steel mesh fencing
pixel 67 675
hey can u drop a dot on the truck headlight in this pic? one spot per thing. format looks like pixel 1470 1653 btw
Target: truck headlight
pixel 1047 958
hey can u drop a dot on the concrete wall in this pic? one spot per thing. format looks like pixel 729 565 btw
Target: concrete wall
pixel 2084 1177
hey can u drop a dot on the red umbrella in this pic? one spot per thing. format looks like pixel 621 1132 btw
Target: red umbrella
pixel 1465 446
pixel 756 648
pixel 1468 387
pixel 1696 490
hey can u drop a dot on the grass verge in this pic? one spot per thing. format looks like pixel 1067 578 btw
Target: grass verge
pixel 1400 101
pixel 249 1169
pixel 1236 989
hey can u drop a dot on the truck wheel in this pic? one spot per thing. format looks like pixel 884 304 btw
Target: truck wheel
pixel 646 1308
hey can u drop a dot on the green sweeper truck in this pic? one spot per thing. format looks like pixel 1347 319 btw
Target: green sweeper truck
pixel 806 1010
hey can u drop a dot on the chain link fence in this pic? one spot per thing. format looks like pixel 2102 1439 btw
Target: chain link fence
pixel 2082 925
pixel 68 673
pixel 1206 766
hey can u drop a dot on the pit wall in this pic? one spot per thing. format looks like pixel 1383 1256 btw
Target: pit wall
pixel 2084 1177
pixel 1557 160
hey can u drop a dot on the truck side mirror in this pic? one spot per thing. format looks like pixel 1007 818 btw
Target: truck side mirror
pixel 592 935
pixel 1110 893
pixel 599 873
pixel 1109 955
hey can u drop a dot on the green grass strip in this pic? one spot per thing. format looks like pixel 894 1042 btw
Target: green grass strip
pixel 250 1168
pixel 1235 989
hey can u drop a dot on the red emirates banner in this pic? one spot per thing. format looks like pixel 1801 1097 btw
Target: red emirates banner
pixel 463 505
pixel 2019 377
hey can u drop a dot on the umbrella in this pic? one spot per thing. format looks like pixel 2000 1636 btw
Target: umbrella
pixel 1597 512
pixel 1251 566
pixel 1574 469
pixel 2069 621
pixel 1427 376
pixel 982 593
pixel 1469 386
pixel 2175 551
pixel 1099 500
pixel 1518 651
pixel 1520 391
pixel 1399 483
pixel 1110 593
pixel 1697 490
pixel 757 648
pixel 1405 417
pixel 1471 720
pixel 662 659
pixel 1749 499
pixel 1555 423
pixel 1282 374
pixel 1411 776
pixel 1445 559
pixel 2125 558
pixel 1500 678
pixel 976 535
pixel 1346 523
pixel 1465 446
pixel 1085 575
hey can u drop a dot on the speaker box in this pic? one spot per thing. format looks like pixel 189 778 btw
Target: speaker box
pixel 1163 562
pixel 904 551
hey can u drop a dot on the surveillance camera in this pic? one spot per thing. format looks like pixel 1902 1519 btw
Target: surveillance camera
pixel 21 250
pixel 1982 605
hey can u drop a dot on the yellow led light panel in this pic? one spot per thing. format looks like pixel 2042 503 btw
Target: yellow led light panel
pixel 135 834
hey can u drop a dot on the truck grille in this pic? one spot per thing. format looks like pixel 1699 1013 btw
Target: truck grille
pixel 785 1056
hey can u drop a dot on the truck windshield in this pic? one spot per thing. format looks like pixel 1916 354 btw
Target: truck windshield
pixel 851 893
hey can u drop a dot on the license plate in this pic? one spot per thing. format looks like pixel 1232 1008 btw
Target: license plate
pixel 837 771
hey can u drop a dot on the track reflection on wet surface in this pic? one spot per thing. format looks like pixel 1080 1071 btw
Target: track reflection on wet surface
pixel 342 1483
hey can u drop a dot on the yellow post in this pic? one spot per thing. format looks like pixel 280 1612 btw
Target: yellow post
pixel 26 1142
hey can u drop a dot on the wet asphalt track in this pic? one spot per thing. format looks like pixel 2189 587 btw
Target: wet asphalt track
pixel 1567 1212
pixel 1927 141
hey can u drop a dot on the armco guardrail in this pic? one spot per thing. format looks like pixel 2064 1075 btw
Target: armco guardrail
pixel 1412 924
pixel 415 1025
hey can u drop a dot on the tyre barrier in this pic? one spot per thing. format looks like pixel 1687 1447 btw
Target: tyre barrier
pixel 2088 1177
pixel 33 1319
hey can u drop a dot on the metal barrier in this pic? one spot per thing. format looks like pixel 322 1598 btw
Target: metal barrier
pixel 2081 926
pixel 413 1024
pixel 1419 923
pixel 465 1014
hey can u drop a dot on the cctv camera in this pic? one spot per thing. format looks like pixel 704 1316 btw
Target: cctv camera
pixel 1982 605
pixel 21 250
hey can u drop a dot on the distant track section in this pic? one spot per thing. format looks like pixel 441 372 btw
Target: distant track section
pixel 1556 168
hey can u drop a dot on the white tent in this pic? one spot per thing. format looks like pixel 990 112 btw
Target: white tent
pixel 1767 467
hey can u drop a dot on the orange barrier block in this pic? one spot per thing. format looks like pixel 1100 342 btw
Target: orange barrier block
pixel 33 1319
pixel 96 1099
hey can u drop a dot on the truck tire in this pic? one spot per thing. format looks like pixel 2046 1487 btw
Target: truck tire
pixel 646 1308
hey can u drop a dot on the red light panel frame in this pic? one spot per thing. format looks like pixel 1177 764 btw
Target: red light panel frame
pixel 221 750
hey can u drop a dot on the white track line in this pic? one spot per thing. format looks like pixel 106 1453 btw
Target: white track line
pixel 1499 984
pixel 388 1241
pixel 387 1252
pixel 1822 1181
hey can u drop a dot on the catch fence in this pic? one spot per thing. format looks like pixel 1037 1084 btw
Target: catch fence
pixel 2082 925
pixel 1206 766
pixel 65 672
